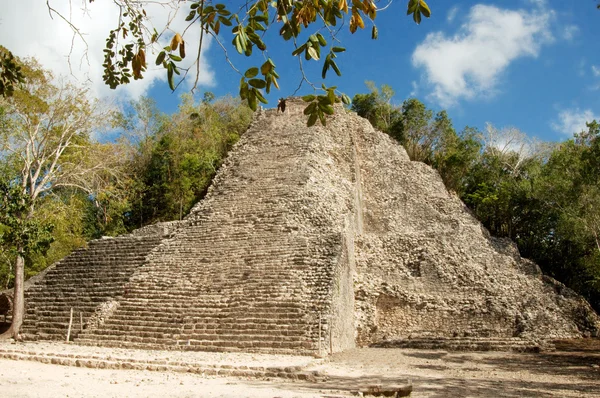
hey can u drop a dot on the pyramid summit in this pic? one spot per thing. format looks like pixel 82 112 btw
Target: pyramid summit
pixel 309 240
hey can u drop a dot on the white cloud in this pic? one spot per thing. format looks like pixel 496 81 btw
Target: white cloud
pixel 468 64
pixel 452 14
pixel 571 121
pixel 415 89
pixel 596 70
pixel 570 31
pixel 34 33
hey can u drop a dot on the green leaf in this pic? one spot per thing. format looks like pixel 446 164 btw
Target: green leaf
pixel 425 8
pixel 299 50
pixel 331 96
pixel 243 89
pixel 258 83
pixel 309 98
pixel 265 68
pixel 417 17
pixel 321 39
pixel 260 97
pixel 374 33
pixel 345 99
pixel 252 100
pixel 191 15
pixel 238 44
pixel 170 77
pixel 311 108
pixel 328 109
pixel 174 57
pixel 335 68
pixel 225 21
pixel 322 118
pixel 312 119
pixel 161 57
pixel 250 73
pixel 325 67
pixel 338 49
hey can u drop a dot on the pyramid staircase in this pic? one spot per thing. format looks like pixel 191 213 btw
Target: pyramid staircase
pixel 243 272
pixel 81 282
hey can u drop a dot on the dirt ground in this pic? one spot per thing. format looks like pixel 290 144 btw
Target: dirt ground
pixel 572 371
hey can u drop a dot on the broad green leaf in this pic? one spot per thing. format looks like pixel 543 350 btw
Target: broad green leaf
pixel 312 119
pixel 322 117
pixel 322 40
pixel 260 97
pixel 335 68
pixel 328 109
pixel 258 83
pixel 250 73
pixel 252 100
pixel 161 57
pixel 311 108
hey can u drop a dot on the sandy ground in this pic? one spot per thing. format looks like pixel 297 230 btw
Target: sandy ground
pixel 570 372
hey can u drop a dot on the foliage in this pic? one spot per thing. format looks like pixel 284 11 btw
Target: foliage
pixel 377 108
pixel 20 233
pixel 10 73
pixel 426 138
pixel 173 166
pixel 305 24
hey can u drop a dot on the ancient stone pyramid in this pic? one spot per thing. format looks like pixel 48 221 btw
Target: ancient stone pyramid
pixel 310 239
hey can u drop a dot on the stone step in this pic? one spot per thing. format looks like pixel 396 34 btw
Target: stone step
pixel 191 344
pixel 304 349
pixel 112 361
pixel 181 333
pixel 200 324
pixel 468 344
pixel 55 310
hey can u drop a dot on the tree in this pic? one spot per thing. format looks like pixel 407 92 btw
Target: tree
pixel 10 73
pixel 173 166
pixel 23 236
pixel 378 109
pixel 245 24
pixel 45 130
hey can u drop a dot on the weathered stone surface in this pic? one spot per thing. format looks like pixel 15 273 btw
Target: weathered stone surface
pixel 426 266
pixel 312 240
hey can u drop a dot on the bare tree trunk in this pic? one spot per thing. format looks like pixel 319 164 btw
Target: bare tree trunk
pixel 18 299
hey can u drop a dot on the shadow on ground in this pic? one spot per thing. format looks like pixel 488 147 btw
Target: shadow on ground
pixel 571 371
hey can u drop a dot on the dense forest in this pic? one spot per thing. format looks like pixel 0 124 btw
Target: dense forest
pixel 74 169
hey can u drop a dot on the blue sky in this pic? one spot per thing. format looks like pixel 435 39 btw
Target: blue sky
pixel 530 64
